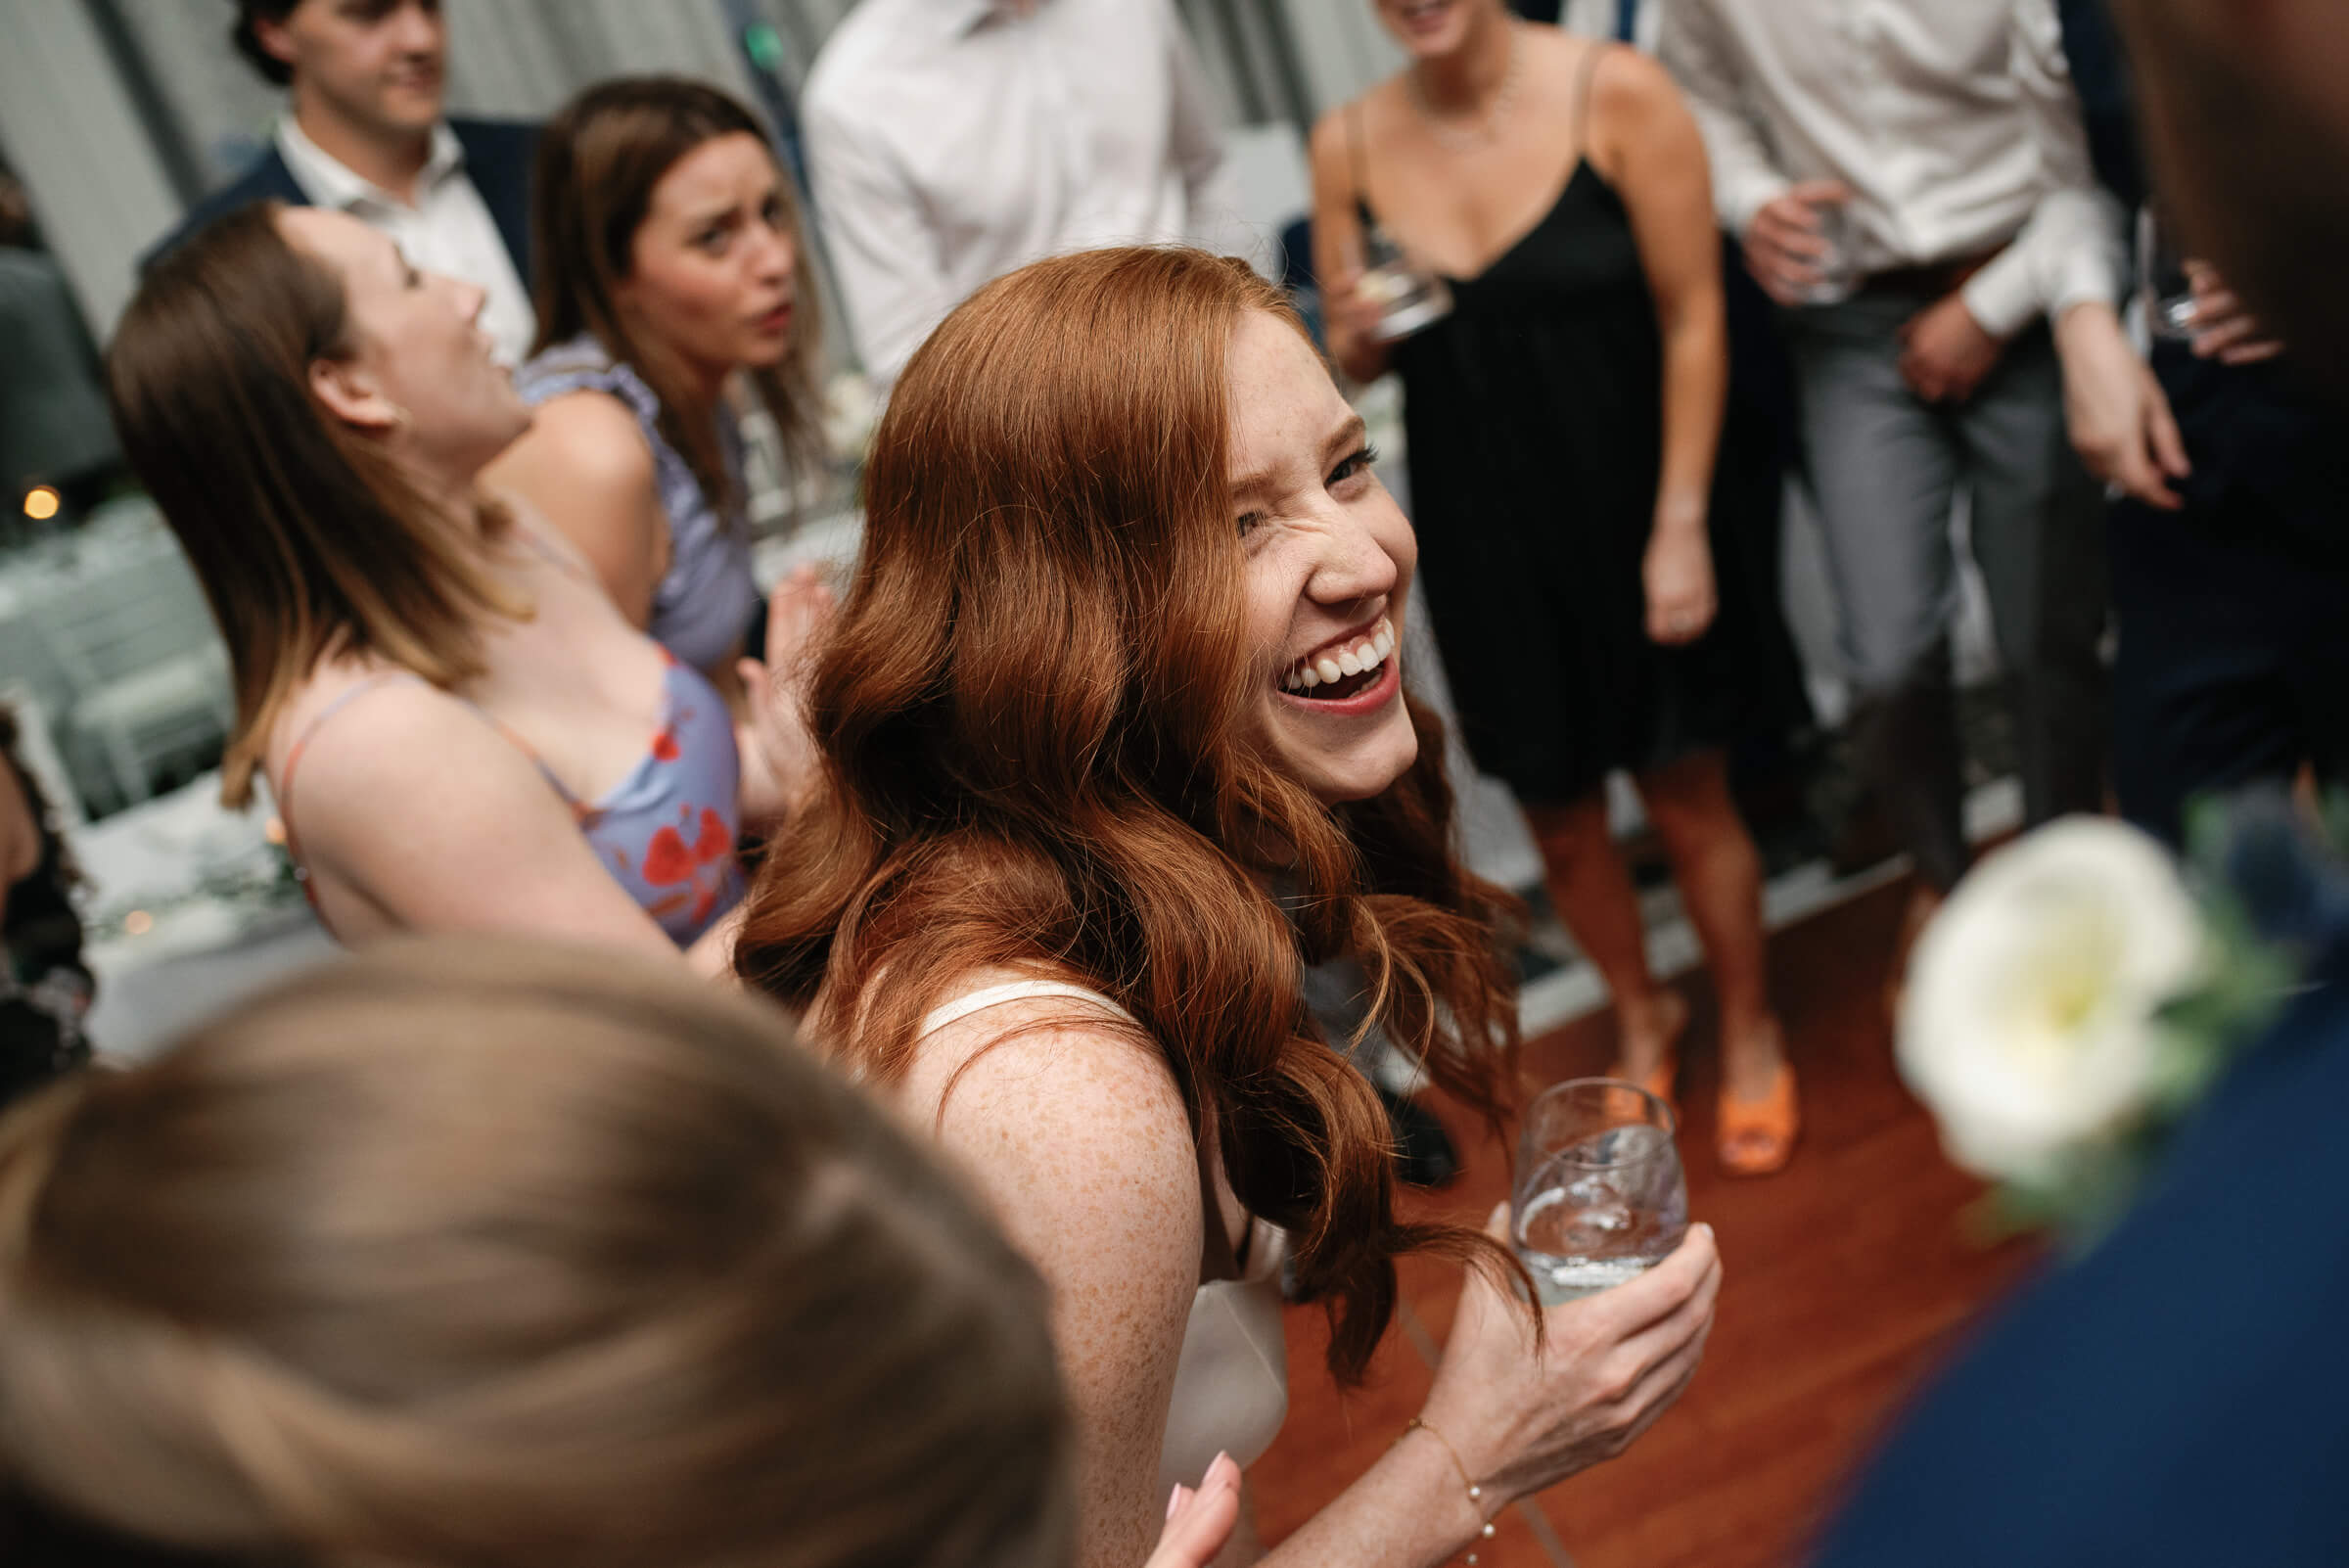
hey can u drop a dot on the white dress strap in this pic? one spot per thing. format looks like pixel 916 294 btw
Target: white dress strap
pixel 979 1002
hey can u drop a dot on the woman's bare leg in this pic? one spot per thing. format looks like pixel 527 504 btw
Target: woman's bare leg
pixel 1592 893
pixel 1720 876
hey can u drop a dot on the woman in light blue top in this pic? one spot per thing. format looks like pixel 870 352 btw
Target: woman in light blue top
pixel 667 245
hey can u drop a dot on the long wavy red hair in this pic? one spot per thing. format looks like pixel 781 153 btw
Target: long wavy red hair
pixel 1032 714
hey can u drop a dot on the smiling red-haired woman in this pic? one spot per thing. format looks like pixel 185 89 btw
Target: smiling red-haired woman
pixel 1116 743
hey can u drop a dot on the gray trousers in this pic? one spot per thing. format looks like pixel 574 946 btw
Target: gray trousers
pixel 1884 469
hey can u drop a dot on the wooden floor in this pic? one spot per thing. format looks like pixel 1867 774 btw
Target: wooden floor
pixel 1846 1277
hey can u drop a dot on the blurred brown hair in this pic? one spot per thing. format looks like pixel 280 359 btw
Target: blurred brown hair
pixel 496 1254
pixel 247 42
pixel 309 538
pixel 1030 707
pixel 599 159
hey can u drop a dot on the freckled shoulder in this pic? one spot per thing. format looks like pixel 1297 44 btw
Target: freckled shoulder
pixel 994 1077
pixel 1075 1132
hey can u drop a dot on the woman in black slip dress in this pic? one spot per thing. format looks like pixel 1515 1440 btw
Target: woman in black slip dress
pixel 1597 591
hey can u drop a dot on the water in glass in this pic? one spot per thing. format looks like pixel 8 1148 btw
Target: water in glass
pixel 1838 271
pixel 1603 1212
pixel 1599 1195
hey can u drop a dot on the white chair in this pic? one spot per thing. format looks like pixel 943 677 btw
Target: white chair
pixel 148 675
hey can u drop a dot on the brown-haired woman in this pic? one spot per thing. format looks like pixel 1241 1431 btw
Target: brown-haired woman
pixel 459 728
pixel 667 245
pixel 1115 744
pixel 501 1254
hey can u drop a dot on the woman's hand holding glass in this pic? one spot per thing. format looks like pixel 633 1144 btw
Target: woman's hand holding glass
pixel 1350 316
pixel 1523 1419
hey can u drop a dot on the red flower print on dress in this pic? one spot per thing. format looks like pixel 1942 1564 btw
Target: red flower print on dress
pixel 668 860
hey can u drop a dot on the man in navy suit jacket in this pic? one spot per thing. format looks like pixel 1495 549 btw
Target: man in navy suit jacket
pixel 2180 1396
pixel 2228 579
pixel 363 132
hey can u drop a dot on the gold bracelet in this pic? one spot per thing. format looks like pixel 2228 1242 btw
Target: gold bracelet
pixel 1476 1493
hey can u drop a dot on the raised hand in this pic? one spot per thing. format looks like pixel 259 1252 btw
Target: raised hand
pixel 779 759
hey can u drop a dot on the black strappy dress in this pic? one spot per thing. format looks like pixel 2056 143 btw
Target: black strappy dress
pixel 1534 414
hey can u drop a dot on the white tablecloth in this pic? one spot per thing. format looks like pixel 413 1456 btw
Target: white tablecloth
pixel 187 912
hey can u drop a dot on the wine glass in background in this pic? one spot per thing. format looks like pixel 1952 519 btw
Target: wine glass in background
pixel 2164 281
pixel 1408 295
pixel 1599 1196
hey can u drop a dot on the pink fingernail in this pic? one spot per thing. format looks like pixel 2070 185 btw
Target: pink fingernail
pixel 1174 1500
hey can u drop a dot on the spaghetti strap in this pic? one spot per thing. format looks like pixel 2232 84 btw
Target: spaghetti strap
pixel 1582 76
pixel 352 694
pixel 1353 156
pixel 285 779
pixel 979 1002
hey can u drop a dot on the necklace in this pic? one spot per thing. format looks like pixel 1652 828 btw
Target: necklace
pixel 1487 127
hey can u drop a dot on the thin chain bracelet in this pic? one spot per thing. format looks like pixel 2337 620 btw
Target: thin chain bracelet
pixel 1476 1493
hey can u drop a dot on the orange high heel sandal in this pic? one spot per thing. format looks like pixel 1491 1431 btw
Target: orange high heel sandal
pixel 1756 1137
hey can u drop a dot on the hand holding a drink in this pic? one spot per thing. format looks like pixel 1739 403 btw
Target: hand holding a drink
pixel 1798 247
pixel 1523 1417
pixel 2222 327
pixel 1350 313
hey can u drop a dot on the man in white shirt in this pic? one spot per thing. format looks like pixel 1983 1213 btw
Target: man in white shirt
pixel 952 141
pixel 363 133
pixel 1918 165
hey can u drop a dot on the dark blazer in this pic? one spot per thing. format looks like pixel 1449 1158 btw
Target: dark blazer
pixel 2268 461
pixel 498 155
pixel 2178 1398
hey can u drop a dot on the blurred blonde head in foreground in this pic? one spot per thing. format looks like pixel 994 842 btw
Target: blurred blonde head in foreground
pixel 487 1253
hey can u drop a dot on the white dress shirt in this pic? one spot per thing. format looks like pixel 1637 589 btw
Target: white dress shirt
pixel 951 141
pixel 1953 121
pixel 448 230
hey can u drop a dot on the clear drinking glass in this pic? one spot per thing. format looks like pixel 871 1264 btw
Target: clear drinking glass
pixel 1601 1197
pixel 2162 278
pixel 1838 272
pixel 1408 295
